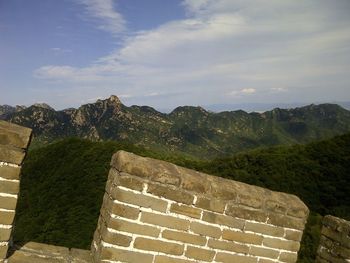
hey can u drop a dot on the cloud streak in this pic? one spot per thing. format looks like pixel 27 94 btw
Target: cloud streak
pixel 104 13
pixel 222 47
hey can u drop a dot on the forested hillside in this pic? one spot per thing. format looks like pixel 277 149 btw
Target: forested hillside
pixel 62 184
pixel 187 130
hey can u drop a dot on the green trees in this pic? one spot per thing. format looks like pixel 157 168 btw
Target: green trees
pixel 62 186
pixel 63 183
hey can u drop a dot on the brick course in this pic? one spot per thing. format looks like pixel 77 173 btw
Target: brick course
pixel 14 141
pixel 335 241
pixel 154 211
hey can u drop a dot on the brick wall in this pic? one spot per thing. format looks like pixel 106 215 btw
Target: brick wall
pixel 154 211
pixel 13 143
pixel 335 241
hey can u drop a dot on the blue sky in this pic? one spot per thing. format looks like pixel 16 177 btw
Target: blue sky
pixel 166 53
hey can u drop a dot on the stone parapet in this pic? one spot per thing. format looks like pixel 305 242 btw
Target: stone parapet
pixel 154 211
pixel 14 141
pixel 33 252
pixel 335 241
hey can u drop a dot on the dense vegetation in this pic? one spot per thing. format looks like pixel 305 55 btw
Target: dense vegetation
pixel 62 185
pixel 61 193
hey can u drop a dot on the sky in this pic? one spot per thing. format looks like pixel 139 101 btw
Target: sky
pixel 167 53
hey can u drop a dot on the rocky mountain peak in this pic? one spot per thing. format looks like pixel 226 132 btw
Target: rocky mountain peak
pixel 114 99
pixel 43 105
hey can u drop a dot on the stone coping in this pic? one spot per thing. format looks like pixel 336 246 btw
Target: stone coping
pixel 209 186
pixel 337 224
pixel 14 139
pixel 33 252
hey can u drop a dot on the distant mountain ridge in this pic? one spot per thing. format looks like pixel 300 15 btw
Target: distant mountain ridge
pixel 187 129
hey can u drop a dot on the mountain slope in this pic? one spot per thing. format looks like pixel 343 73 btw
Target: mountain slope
pixel 63 183
pixel 189 130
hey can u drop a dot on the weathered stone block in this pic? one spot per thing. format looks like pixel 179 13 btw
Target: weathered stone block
pixel 139 199
pixel 111 253
pixel 205 230
pixel 24 257
pixel 9 187
pixel 115 238
pixel 250 199
pixel 194 181
pixel 155 170
pixel 222 191
pixel 296 209
pixel 3 251
pixel 170 192
pixel 123 210
pixel 341 251
pixel 200 253
pixel 286 221
pixel 9 172
pixel 281 244
pixel 6 217
pixel 15 135
pixel 131 227
pixel 332 221
pixel 330 233
pixel 293 235
pixel 129 181
pixel 262 228
pixel 10 154
pixel 5 234
pixel 238 236
pixel 328 257
pixel 165 221
pixel 46 249
pixel 223 220
pixel 275 206
pixel 158 246
pixel 228 246
pixel 245 213
pixel 186 210
pixel 7 202
pixel 214 205
pixel 80 256
pixel 288 257
pixel 264 252
pixel 184 237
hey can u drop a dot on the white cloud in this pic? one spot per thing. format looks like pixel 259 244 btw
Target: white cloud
pixel 104 12
pixel 223 45
pixel 248 91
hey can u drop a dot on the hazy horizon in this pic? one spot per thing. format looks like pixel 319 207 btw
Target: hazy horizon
pixel 248 107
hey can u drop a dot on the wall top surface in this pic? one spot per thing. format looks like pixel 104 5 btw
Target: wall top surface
pixel 209 186
pixel 14 139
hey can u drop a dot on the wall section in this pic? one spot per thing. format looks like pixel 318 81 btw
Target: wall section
pixel 154 211
pixel 14 141
pixel 335 241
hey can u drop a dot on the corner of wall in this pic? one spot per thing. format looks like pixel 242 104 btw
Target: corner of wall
pixel 155 212
pixel 335 241
pixel 14 141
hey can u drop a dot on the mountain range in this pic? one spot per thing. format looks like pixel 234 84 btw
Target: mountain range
pixel 191 130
